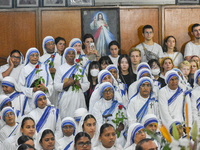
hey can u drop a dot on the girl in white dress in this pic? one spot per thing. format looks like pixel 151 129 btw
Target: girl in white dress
pixel 107 138
pixel 45 116
pixel 89 125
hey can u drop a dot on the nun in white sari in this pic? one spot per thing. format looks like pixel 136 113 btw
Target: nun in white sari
pixel 67 141
pixel 136 133
pixel 195 98
pixel 108 105
pixel 80 54
pixel 70 99
pixel 142 73
pixel 19 100
pixel 172 99
pixel 45 116
pixel 16 70
pixel 10 127
pixel 123 87
pixel 32 71
pixel 105 76
pixel 47 57
pixel 143 102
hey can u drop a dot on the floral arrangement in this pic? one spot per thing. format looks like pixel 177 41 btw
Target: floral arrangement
pixel 119 119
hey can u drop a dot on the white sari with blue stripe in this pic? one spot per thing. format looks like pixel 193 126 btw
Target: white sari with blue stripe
pixel 28 76
pixel 171 105
pixel 69 101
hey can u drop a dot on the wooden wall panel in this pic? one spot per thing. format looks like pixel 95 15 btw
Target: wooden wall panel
pixel 132 21
pixel 17 31
pixel 177 21
pixel 64 23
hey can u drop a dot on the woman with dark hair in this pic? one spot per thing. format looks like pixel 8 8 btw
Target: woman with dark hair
pixel 114 48
pixel 93 71
pixel 25 140
pixel 194 67
pixel 47 140
pixel 155 70
pixel 89 125
pixel 60 44
pixel 89 48
pixel 107 138
pixel 171 51
pixel 26 147
pixel 82 141
pixel 125 71
pixel 104 61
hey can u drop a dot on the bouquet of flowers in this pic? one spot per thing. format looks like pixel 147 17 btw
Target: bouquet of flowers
pixel 119 119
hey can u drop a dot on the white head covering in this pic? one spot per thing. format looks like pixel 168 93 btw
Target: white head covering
pixel 11 82
pixel 143 80
pixel 170 74
pixel 96 135
pixel 149 118
pixel 45 41
pixel 143 71
pixel 65 53
pixel 143 65
pixel 21 59
pixel 133 129
pixel 102 74
pixel 196 76
pixel 74 41
pixel 69 121
pixel 79 113
pixel 5 111
pixel 36 95
pixel 3 100
pixel 112 66
pixel 29 52
pixel 105 85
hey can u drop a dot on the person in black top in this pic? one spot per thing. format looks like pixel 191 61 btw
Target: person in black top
pixel 125 71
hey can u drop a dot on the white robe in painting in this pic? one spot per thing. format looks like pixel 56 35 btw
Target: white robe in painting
pixel 174 108
pixel 114 147
pixel 102 36
pixel 51 121
pixel 69 101
pixel 15 71
pixel 66 142
pixel 8 131
pixel 137 103
pixel 100 107
pixel 26 70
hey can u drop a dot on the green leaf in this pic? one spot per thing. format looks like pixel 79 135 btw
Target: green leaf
pixel 194 131
pixel 113 121
pixel 166 147
pixel 175 132
pixel 153 135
